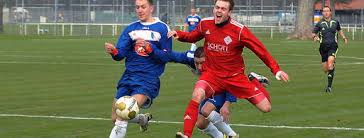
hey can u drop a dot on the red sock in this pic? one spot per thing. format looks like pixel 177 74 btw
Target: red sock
pixel 190 118
pixel 261 88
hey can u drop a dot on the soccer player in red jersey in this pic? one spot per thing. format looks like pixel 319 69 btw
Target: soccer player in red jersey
pixel 223 69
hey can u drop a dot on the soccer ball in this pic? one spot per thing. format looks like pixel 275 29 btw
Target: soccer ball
pixel 126 107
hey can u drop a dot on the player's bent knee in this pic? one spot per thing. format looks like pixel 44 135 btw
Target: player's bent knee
pixel 330 67
pixel 198 94
pixel 204 86
pixel 140 99
pixel 264 106
pixel 266 109
pixel 205 112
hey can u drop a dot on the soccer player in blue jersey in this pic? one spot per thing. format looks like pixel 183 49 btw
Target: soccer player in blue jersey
pixel 145 47
pixel 191 22
pixel 214 112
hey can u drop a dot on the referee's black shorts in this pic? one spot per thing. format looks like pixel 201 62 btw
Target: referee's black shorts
pixel 327 50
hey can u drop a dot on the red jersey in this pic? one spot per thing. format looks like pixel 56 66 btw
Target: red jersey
pixel 224 45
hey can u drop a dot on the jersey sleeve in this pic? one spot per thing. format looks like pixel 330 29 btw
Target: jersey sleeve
pixel 181 57
pixel 317 28
pixel 338 27
pixel 230 98
pixel 191 37
pixel 249 40
pixel 162 54
pixel 123 45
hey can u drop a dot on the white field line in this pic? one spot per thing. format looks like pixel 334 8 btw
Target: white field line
pixel 74 52
pixel 300 55
pixel 173 65
pixel 174 122
pixel 55 56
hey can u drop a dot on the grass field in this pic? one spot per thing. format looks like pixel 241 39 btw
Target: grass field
pixel 73 77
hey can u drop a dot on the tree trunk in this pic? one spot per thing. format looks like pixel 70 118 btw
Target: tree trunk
pixel 303 27
pixel 1 16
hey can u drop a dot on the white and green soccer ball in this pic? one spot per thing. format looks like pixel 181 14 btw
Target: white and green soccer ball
pixel 127 107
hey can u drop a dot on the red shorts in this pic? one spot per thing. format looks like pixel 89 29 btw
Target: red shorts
pixel 238 85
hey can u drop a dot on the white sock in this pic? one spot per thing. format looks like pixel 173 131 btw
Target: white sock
pixel 119 130
pixel 138 118
pixel 222 126
pixel 193 47
pixel 212 131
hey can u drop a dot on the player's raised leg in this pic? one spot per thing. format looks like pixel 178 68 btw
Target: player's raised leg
pixel 259 81
pixel 261 100
pixel 120 128
pixel 142 119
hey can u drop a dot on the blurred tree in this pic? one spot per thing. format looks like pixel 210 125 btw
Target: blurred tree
pixel 303 26
pixel 2 4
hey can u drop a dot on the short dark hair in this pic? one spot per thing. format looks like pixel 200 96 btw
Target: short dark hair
pixel 199 53
pixel 231 7
pixel 325 7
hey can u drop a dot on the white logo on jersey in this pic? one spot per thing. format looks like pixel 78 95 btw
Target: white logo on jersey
pixel 187 117
pixel 208 32
pixel 217 47
pixel 228 40
pixel 148 35
pixel 192 19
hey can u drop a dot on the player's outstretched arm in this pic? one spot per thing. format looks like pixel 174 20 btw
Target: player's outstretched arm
pixel 249 40
pixel 162 54
pixel 181 57
pixel 122 47
pixel 110 48
pixel 191 37
pixel 281 75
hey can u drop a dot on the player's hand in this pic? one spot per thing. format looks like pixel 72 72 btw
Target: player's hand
pixel 172 33
pixel 281 75
pixel 316 38
pixel 346 40
pixel 225 112
pixel 110 49
pixel 143 47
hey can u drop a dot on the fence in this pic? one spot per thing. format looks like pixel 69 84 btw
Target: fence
pixel 354 32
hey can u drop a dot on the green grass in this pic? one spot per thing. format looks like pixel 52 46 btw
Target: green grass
pixel 74 77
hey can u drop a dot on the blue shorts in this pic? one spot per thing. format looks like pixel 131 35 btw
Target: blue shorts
pixel 131 84
pixel 217 100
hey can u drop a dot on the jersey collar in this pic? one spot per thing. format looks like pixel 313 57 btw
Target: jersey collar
pixel 224 23
pixel 156 19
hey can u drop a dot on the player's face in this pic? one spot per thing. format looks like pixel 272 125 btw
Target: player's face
pixel 199 62
pixel 221 11
pixel 143 10
pixel 193 11
pixel 326 12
